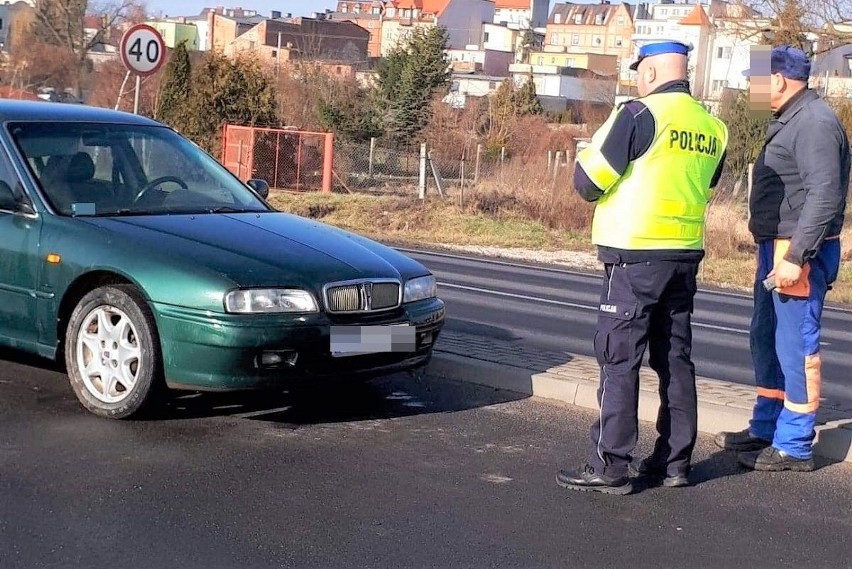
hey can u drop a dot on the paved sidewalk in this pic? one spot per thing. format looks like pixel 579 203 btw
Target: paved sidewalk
pixel 573 379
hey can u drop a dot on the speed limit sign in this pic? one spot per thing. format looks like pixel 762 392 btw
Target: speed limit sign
pixel 142 49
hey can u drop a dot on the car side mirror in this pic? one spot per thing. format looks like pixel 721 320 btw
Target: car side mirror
pixel 12 201
pixel 8 200
pixel 259 186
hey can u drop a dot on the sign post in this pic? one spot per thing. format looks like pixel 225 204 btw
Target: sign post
pixel 143 52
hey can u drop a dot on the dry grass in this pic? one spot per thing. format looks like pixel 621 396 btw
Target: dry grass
pixel 539 214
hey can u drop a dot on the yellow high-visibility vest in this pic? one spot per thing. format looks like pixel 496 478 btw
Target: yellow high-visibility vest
pixel 661 199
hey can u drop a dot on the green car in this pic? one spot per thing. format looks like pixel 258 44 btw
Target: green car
pixel 141 261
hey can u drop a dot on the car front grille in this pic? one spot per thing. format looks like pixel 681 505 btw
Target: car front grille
pixel 367 296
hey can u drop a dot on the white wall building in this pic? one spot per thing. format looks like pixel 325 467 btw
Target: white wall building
pixel 523 14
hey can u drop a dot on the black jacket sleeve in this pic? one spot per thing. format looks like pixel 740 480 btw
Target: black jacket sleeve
pixel 629 137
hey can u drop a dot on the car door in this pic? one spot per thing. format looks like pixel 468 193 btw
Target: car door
pixel 19 267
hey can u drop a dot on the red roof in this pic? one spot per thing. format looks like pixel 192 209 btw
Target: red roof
pixel 517 4
pixel 698 17
pixel 426 6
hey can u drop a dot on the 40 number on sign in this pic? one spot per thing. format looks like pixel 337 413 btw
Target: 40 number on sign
pixel 142 50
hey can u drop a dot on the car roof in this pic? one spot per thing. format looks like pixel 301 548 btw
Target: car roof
pixel 14 110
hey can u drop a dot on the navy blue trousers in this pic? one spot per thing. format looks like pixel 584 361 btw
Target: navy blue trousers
pixel 645 305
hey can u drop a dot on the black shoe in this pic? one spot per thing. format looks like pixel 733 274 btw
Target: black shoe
pixel 774 460
pixel 741 441
pixel 587 480
pixel 650 469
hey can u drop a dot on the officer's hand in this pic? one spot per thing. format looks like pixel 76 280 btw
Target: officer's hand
pixel 786 274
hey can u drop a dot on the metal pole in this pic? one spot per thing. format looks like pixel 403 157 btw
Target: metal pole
pixel 372 154
pixel 478 161
pixel 423 171
pixel 136 97
pixel 278 57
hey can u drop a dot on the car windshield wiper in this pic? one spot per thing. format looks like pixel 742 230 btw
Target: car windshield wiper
pixel 127 213
pixel 229 209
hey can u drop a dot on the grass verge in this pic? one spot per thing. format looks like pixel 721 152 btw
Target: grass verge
pixel 495 221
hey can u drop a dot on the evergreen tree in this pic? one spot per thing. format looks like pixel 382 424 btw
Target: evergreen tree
pixel 408 80
pixel 224 91
pixel 175 89
pixel 525 100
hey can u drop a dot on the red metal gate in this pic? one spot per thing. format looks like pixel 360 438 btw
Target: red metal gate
pixel 287 159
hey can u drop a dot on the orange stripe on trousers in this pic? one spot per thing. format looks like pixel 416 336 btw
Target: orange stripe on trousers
pixel 770 393
pixel 813 387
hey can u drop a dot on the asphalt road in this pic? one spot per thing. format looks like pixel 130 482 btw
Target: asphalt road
pixel 555 309
pixel 395 473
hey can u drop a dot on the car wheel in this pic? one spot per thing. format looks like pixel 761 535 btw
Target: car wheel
pixel 112 352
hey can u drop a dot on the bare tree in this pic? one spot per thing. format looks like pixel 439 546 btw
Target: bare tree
pixel 812 25
pixel 62 23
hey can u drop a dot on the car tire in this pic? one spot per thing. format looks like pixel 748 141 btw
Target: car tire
pixel 112 353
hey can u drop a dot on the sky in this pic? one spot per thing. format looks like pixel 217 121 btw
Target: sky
pixel 264 7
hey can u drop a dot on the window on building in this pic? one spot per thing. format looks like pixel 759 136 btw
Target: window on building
pixel 492 84
pixel 619 42
pixel 391 12
pixel 597 41
pixel 377 11
pixel 274 53
pixel 578 19
pixel 485 37
pixel 557 18
pixel 620 21
pixel 357 9
pixel 344 8
pixel 575 39
pixel 659 29
pixel 554 39
pixel 598 19
pixel 570 62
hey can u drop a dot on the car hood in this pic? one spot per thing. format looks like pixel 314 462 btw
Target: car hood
pixel 260 249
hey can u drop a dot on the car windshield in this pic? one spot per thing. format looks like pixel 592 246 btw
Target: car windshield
pixel 107 169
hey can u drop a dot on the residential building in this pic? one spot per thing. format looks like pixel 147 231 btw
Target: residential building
pixel 737 29
pixel 224 26
pixel 685 21
pixel 474 59
pixel 567 83
pixel 603 28
pixel 337 43
pixel 521 14
pixel 175 32
pixel 464 20
pixel 463 87
pixel 366 13
pixel 831 72
pixel 600 64
pixel 201 22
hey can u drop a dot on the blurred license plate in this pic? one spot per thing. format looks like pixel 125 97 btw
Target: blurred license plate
pixel 357 340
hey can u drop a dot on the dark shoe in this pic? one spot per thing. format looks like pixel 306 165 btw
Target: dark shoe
pixel 741 441
pixel 650 469
pixel 774 460
pixel 587 480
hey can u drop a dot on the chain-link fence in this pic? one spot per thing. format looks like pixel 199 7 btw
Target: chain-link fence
pixel 286 159
pixel 373 169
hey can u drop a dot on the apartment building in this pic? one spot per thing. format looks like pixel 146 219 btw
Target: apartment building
pixel 602 28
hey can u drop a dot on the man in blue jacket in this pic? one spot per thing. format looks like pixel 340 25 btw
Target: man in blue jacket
pixel 800 184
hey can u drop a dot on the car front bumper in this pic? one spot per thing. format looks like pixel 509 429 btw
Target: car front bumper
pixel 213 351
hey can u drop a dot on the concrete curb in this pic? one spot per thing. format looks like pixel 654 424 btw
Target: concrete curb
pixel 833 439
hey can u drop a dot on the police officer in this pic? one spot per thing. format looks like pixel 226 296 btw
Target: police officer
pixel 797 211
pixel 651 169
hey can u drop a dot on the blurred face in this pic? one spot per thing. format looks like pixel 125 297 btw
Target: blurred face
pixel 762 85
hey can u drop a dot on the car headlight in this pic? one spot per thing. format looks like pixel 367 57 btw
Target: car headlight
pixel 420 288
pixel 266 300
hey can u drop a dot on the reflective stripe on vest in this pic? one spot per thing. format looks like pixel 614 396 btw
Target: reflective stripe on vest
pixel 660 201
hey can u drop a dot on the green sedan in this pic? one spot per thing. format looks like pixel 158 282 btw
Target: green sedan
pixel 139 260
